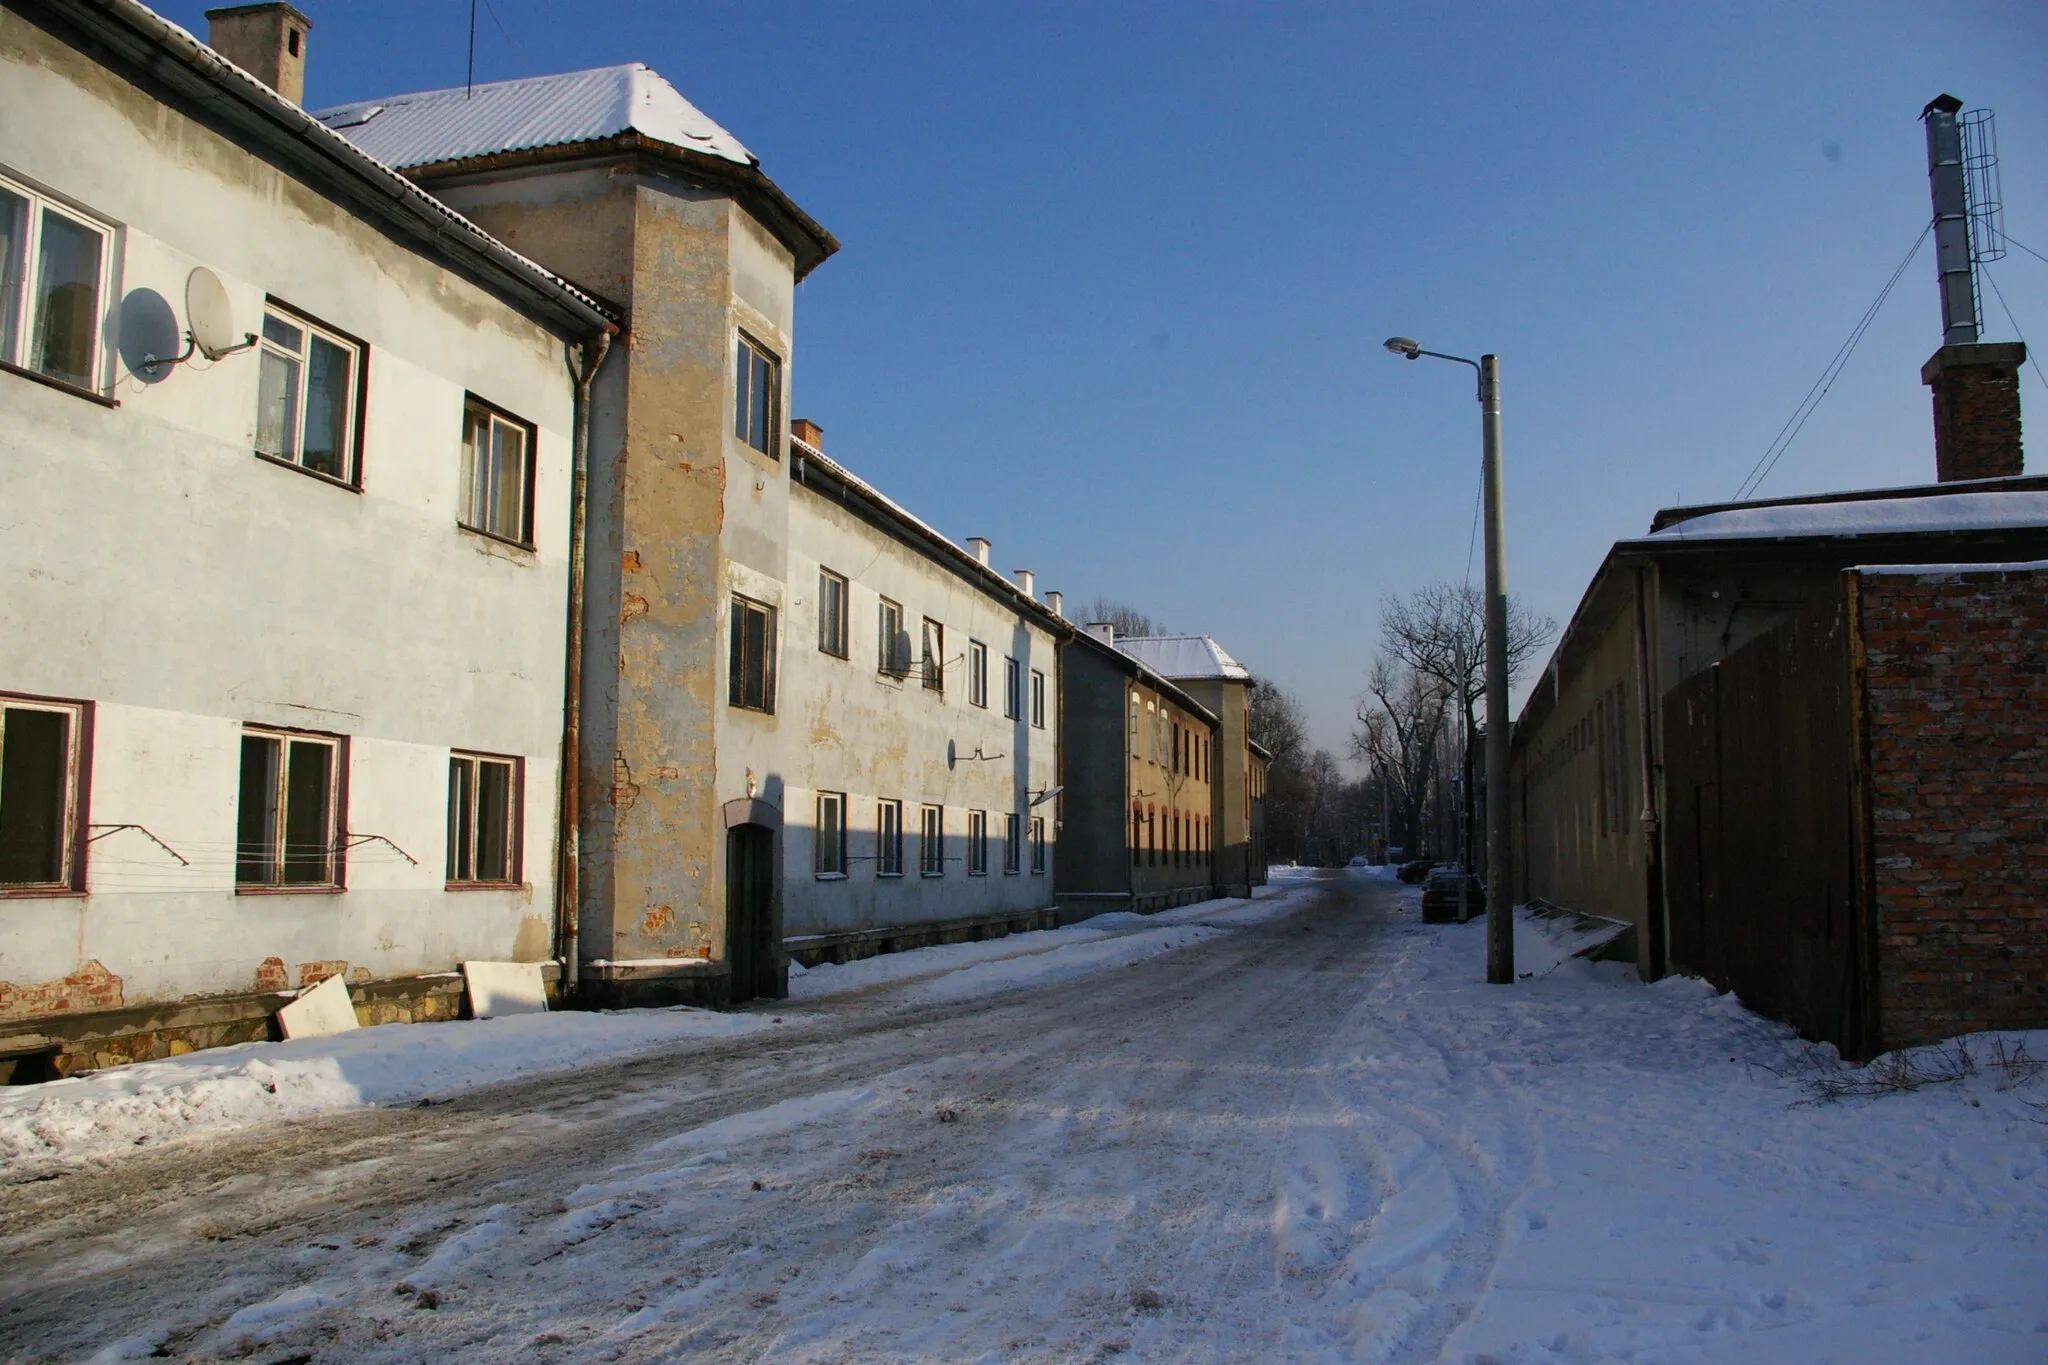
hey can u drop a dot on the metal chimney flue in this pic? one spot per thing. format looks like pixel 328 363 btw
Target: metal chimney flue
pixel 1949 184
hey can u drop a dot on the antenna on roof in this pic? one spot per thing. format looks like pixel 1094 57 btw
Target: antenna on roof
pixel 469 80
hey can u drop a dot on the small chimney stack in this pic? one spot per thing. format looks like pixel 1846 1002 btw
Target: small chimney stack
pixel 809 432
pixel 267 41
pixel 1104 631
pixel 979 546
pixel 1976 410
pixel 1027 582
pixel 1054 602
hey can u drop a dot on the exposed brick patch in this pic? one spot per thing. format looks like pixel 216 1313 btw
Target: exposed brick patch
pixel 91 987
pixel 1956 706
pixel 313 973
pixel 271 976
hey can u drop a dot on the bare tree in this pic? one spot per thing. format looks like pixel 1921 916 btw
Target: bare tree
pixel 1439 632
pixel 1127 619
pixel 1400 719
pixel 1279 725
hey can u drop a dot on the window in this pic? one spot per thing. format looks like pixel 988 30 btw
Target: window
pixel 42 795
pixel 53 267
pixel 931 842
pixel 1137 836
pixel 893 644
pixel 1013 689
pixel 288 826
pixel 1037 699
pixel 1038 844
pixel 1151 733
pixel 1013 844
pixel 1151 836
pixel 753 656
pixel 832 617
pixel 757 406
pixel 977 673
pixel 306 390
pixel 828 847
pixel 1135 753
pixel 934 655
pixel 497 473
pixel 483 820
pixel 888 838
pixel 977 843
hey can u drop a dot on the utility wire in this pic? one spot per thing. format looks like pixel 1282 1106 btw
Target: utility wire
pixel 2024 247
pixel 1797 421
pixel 2032 359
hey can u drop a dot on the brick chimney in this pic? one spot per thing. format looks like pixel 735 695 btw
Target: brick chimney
pixel 1976 409
pixel 809 432
pixel 267 41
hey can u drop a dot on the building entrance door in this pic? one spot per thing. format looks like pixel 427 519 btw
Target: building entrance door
pixel 749 887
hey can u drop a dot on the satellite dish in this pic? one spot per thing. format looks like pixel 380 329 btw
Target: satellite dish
pixel 209 316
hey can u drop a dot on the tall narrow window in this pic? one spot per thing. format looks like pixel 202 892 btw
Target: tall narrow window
pixel 828 851
pixel 977 673
pixel 888 838
pixel 753 656
pixel 41 795
pixel 306 391
pixel 931 842
pixel 892 653
pixel 832 622
pixel 497 473
pixel 53 266
pixel 1013 846
pixel 1136 753
pixel 934 655
pixel 1013 689
pixel 1137 836
pixel 1038 844
pixel 483 820
pixel 757 409
pixel 1037 699
pixel 288 825
pixel 977 843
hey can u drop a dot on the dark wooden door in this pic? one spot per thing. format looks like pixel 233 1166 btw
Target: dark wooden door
pixel 749 886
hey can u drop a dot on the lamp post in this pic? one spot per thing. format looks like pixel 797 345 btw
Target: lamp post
pixel 1500 924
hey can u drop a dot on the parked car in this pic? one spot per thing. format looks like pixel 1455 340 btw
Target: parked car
pixel 1359 860
pixel 1440 895
pixel 1413 872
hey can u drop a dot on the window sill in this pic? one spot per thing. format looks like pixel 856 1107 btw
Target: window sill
pixel 977 874
pixel 834 653
pixel 290 890
pixel 60 385
pixel 750 710
pixel 932 875
pixel 491 536
pixel 829 876
pixel 486 886
pixel 40 893
pixel 892 876
pixel 1011 872
pixel 295 467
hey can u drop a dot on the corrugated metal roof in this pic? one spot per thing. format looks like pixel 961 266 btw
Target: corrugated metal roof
pixel 1182 656
pixel 1973 511
pixel 540 111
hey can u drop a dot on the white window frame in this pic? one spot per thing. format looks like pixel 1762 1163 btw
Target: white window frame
pixel 834 614
pixel 15 355
pixel 888 838
pixel 932 646
pixel 351 426
pixel 337 815
pixel 1037 699
pixel 931 841
pixel 514 825
pixel 72 813
pixel 892 654
pixel 828 859
pixel 1013 689
pixel 473 470
pixel 977 843
pixel 977 674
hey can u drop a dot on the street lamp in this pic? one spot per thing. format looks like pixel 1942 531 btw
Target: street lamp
pixel 1500 930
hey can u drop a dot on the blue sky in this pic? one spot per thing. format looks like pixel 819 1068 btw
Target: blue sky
pixel 1114 277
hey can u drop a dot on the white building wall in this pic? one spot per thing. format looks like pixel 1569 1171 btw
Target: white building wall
pixel 153 565
pixel 843 726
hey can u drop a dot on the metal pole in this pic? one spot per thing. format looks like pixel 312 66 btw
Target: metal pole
pixel 1500 921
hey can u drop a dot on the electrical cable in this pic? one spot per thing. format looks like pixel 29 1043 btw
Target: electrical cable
pixel 1999 294
pixel 1797 421
pixel 2007 238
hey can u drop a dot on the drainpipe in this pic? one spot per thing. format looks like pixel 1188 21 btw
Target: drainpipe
pixel 1653 841
pixel 568 897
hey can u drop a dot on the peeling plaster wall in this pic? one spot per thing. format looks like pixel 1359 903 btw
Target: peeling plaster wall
pixel 151 564
pixel 846 727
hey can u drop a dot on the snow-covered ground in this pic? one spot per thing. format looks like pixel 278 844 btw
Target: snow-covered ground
pixel 1292 1129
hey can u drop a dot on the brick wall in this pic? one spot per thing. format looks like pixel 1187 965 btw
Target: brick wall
pixel 1956 697
pixel 1976 410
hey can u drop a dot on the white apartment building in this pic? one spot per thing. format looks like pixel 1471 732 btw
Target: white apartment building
pixel 282 614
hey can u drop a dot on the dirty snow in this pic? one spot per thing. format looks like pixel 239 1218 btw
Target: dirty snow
pixel 1317 1136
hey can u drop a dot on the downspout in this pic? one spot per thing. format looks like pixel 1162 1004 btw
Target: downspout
pixel 1653 841
pixel 568 888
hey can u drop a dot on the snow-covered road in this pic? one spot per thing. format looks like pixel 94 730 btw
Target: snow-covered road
pixel 1303 1137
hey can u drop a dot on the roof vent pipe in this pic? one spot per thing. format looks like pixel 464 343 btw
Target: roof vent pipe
pixel 1054 602
pixel 979 545
pixel 1027 582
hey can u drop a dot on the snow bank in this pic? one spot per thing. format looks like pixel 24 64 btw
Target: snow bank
pixel 216 1091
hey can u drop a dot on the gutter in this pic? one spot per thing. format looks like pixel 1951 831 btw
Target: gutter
pixel 568 883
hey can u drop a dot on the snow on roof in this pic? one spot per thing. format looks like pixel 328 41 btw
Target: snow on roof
pixel 1948 570
pixel 539 111
pixel 1985 511
pixel 1182 656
